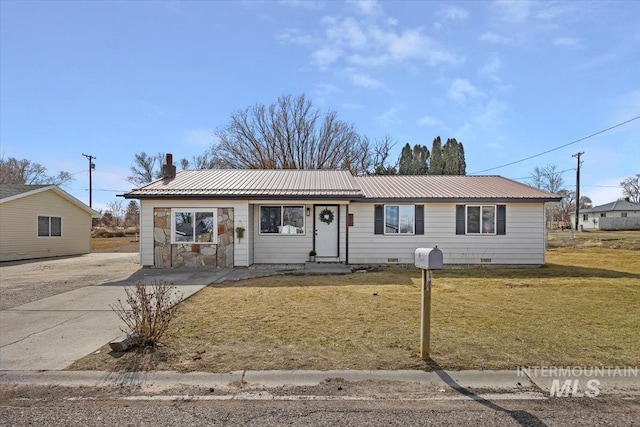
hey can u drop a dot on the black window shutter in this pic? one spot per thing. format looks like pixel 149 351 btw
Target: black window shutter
pixel 419 219
pixel 501 223
pixel 460 219
pixel 378 211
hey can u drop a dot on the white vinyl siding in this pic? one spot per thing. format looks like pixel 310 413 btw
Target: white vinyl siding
pixel 240 214
pixel 523 242
pixel 19 227
pixel 293 248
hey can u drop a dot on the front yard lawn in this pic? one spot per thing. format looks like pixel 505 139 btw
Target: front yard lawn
pixel 582 308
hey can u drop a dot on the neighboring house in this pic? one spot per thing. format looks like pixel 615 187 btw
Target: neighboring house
pixel 38 221
pixel 618 215
pixel 353 220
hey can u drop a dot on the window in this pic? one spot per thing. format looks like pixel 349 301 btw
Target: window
pixel 481 219
pixel 585 217
pixel 603 214
pixel 399 219
pixel 49 226
pixel 281 219
pixel 194 226
pixel 623 215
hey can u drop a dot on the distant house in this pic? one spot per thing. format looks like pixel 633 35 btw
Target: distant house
pixel 39 221
pixel 618 215
pixel 285 214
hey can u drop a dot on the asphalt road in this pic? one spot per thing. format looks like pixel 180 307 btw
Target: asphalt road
pixel 85 409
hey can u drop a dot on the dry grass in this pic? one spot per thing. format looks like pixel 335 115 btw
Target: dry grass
pixel 580 309
pixel 114 244
pixel 595 239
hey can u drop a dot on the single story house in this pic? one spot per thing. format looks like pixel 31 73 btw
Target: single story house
pixel 618 215
pixel 236 218
pixel 38 221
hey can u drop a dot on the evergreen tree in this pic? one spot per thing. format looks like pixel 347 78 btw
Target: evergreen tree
pixel 436 167
pixel 413 162
pixel 453 156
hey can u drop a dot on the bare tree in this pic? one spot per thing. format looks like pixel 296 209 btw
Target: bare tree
pixel 14 171
pixel 631 188
pixel 132 214
pixel 548 178
pixel 117 210
pixel 290 134
pixel 145 168
pixel 379 158
pixel 206 160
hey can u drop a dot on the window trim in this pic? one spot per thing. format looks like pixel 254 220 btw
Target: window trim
pixel 49 217
pixel 384 219
pixel 480 233
pixel 214 237
pixel 282 206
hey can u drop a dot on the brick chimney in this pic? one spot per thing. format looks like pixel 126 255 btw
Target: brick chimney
pixel 169 169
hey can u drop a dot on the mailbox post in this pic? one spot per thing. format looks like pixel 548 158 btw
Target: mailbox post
pixel 427 259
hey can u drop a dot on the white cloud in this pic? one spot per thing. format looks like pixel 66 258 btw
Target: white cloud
pixel 567 42
pixel 461 89
pixel 453 13
pixel 346 32
pixel 389 117
pixel 491 68
pixel 363 80
pixel 303 4
pixel 429 121
pixel 495 146
pixel 516 11
pixel 325 56
pixel 295 36
pixel 366 7
pixel 323 92
pixel 370 41
pixel 494 38
pixel 491 113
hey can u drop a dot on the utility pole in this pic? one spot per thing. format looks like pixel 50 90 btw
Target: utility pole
pixel 577 155
pixel 91 167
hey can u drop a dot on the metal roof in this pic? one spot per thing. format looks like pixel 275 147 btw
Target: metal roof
pixel 449 187
pixel 10 190
pixel 618 205
pixel 331 184
pixel 253 183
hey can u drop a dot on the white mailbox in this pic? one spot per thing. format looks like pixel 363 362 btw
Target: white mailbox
pixel 428 258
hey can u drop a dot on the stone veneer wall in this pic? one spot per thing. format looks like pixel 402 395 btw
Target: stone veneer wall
pixel 167 255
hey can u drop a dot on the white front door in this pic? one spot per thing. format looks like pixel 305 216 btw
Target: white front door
pixel 326 222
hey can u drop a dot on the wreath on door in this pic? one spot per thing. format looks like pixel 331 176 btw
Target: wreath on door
pixel 326 216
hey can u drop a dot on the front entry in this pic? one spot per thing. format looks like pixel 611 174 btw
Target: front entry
pixel 326 220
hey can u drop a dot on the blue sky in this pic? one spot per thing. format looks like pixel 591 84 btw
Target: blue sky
pixel 507 79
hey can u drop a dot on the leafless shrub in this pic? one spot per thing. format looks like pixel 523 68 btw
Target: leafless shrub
pixel 147 311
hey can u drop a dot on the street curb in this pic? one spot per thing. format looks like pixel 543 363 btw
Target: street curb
pixel 503 380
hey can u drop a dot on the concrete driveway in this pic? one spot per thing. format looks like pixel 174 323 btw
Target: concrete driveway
pixel 51 332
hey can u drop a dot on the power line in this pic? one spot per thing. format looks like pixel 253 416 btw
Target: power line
pixel 557 148
pixel 530 176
